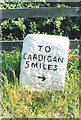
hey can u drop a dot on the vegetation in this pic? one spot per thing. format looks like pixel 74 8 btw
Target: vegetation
pixel 18 28
pixel 18 102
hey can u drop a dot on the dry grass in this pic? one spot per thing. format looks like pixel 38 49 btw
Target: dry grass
pixel 18 102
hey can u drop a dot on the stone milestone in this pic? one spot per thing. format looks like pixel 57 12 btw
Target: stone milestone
pixel 44 62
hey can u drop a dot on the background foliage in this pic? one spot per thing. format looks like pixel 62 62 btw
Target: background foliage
pixel 18 28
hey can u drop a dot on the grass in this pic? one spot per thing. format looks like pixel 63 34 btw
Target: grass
pixel 18 102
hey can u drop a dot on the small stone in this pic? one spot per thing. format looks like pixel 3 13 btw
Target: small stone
pixel 44 62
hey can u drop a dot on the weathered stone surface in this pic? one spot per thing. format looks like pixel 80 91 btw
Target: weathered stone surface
pixel 44 61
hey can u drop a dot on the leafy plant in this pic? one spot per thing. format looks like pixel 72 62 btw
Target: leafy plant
pixel 18 28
